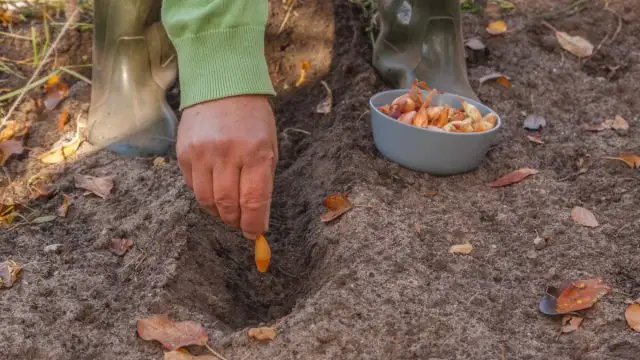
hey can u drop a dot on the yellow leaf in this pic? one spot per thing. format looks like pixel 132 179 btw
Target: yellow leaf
pixel 62 152
pixel 461 249
pixel 496 27
pixel 263 254
pixel 305 65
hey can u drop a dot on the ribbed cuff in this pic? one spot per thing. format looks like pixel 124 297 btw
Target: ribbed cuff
pixel 222 63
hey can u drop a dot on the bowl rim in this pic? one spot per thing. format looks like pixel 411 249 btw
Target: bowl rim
pixel 430 131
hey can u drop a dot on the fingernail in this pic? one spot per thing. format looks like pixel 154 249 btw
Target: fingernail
pixel 249 236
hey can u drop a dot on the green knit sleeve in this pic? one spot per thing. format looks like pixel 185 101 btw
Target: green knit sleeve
pixel 220 47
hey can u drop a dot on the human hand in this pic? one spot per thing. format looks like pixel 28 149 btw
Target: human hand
pixel 227 150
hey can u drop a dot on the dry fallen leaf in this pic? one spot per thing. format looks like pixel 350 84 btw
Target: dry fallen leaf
pixel 619 124
pixel 534 122
pixel 62 152
pixel 574 44
pixel 498 78
pixel 325 106
pixel 262 253
pixel 262 333
pixel 9 271
pixel 430 193
pixel 63 118
pixel 64 208
pixel 581 294
pixel 120 246
pixel 8 148
pixel 513 177
pixel 583 217
pixel 571 323
pixel 597 127
pixel 44 219
pixel 496 27
pixel 305 66
pixel 183 354
pixel 461 249
pixel 337 204
pixel 417 227
pixel 55 94
pixel 632 160
pixel 8 213
pixel 14 129
pixel 536 139
pixel 100 186
pixel 632 314
pixel 159 161
pixel 475 44
pixel 171 334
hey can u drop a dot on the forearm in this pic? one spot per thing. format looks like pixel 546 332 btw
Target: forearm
pixel 220 47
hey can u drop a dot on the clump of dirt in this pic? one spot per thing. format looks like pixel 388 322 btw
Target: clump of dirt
pixel 369 285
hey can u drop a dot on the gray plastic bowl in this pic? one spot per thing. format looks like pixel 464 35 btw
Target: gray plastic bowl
pixel 425 150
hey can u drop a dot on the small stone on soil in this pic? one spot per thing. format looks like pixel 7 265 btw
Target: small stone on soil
pixel 539 243
pixel 52 248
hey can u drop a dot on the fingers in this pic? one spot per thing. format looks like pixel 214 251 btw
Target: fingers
pixel 185 168
pixel 226 180
pixel 202 180
pixel 256 189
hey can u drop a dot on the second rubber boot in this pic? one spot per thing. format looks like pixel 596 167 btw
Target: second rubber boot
pixel 134 64
pixel 422 39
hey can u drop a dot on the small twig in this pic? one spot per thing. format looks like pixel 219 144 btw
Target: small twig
pixel 615 34
pixel 296 130
pixel 214 352
pixel 286 17
pixel 15 36
pixel 34 44
pixel 35 73
pixel 75 74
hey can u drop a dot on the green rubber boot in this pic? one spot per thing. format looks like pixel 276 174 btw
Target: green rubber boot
pixel 134 64
pixel 422 39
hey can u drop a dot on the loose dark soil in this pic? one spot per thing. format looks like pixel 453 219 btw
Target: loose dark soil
pixel 369 286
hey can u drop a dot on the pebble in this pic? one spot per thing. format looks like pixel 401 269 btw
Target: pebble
pixel 52 248
pixel 539 243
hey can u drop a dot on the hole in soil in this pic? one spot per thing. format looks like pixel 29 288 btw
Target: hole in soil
pixel 217 274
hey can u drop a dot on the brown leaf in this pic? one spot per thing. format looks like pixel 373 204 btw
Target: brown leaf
pixel 9 271
pixel 417 227
pixel 574 44
pixel 496 27
pixel 262 333
pixel 64 208
pixel 62 152
pixel 100 186
pixel 171 334
pixel 632 314
pixel 63 118
pixel 8 148
pixel 461 249
pixel 55 94
pixel 513 177
pixel 183 354
pixel 536 139
pixel 620 124
pixel 430 193
pixel 325 106
pixel 8 213
pixel 581 294
pixel 570 323
pixel 305 66
pixel 503 80
pixel 632 160
pixel 337 204
pixel 120 246
pixel 583 217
